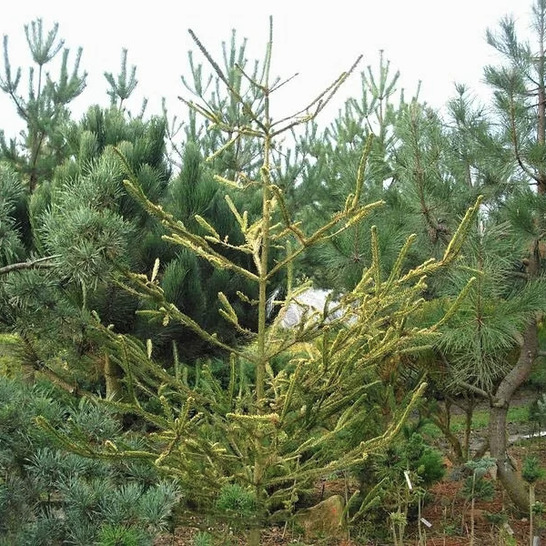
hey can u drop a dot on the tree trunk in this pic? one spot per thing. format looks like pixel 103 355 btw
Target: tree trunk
pixel 511 480
pixel 456 456
pixel 469 414
pixel 442 419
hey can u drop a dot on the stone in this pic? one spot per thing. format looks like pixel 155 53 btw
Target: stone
pixel 325 518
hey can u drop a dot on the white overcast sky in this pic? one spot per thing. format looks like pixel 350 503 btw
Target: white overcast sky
pixel 436 41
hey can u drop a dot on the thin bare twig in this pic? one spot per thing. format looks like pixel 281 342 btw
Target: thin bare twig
pixel 33 264
pixel 319 103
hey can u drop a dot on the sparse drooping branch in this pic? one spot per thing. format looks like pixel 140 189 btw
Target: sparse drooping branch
pixel 313 109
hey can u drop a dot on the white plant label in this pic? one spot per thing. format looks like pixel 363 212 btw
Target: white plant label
pixel 408 481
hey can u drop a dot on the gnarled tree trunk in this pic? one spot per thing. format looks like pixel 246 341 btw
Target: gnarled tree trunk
pixel 509 477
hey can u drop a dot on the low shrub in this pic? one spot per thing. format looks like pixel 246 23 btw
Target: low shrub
pixel 50 497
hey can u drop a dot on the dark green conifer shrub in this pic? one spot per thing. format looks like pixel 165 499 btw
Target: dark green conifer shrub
pixel 50 497
pixel 411 455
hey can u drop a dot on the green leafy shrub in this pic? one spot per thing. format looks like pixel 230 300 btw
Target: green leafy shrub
pixel 476 486
pixel 537 411
pixel 383 477
pixel 422 459
pixel 412 454
pixel 531 470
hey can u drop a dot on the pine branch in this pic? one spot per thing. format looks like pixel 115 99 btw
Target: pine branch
pixel 319 103
pixel 515 144
pixel 324 233
pixel 474 389
pixel 39 263
pixel 59 381
pixel 464 384
pixel 180 234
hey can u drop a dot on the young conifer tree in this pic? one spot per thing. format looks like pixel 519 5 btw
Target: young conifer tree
pixel 277 420
pixel 45 107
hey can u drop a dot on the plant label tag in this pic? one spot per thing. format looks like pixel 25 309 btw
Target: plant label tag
pixel 426 522
pixel 408 481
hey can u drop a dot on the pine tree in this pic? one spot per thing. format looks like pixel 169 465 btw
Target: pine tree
pixel 189 281
pixel 68 218
pixel 519 90
pixel 231 94
pixel 44 111
pixel 85 218
pixel 435 169
pixel 493 341
pixel 45 108
pixel 330 161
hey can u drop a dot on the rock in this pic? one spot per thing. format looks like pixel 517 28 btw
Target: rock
pixel 325 518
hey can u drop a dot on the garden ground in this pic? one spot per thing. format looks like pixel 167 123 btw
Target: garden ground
pixel 447 512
